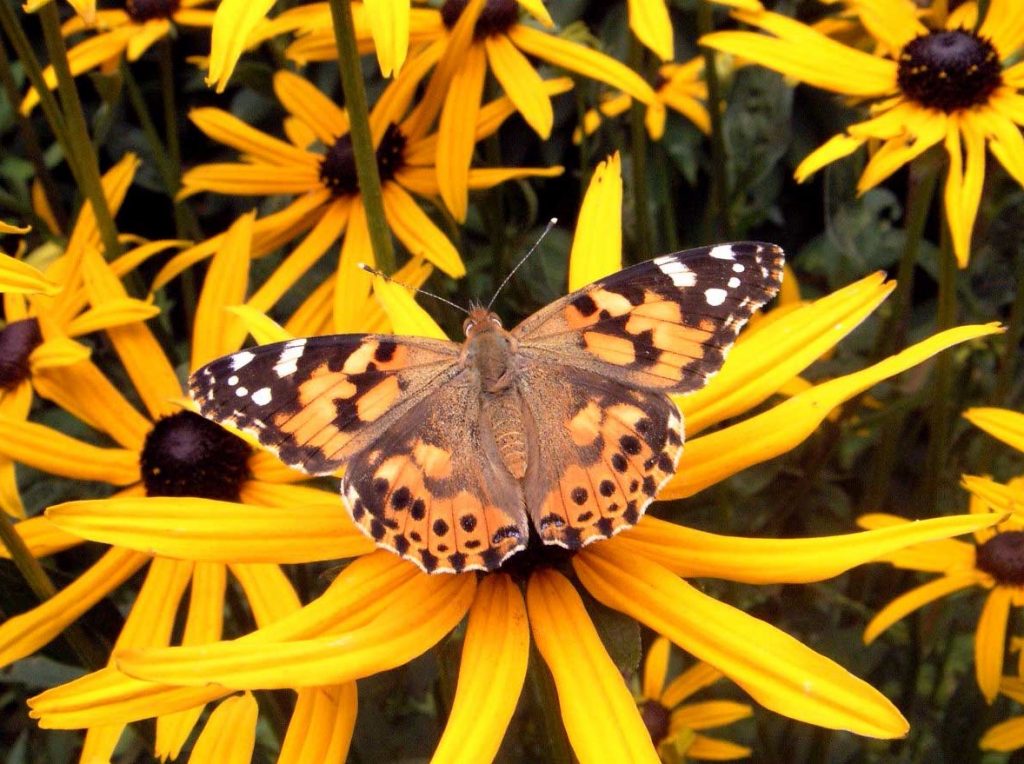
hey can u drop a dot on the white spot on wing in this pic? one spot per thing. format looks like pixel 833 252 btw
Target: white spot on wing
pixel 287 363
pixel 715 296
pixel 681 275
pixel 734 282
pixel 722 252
pixel 664 259
pixel 233 380
pixel 238 360
pixel 241 392
pixel 738 268
pixel 262 396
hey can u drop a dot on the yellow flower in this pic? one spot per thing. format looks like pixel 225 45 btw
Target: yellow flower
pixel 130 31
pixel 382 611
pixel 1009 735
pixel 168 461
pixel 674 725
pixel 467 40
pixel 680 87
pixel 316 164
pixel 950 86
pixel 84 8
pixel 18 276
pixel 650 22
pixel 993 562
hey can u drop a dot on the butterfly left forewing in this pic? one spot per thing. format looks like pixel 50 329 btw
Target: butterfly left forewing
pixel 316 402
pixel 664 324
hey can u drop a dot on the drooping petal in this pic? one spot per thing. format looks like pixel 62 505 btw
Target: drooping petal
pixel 51 451
pixel 655 668
pixel 117 311
pixel 407 316
pixel 455 131
pixel 796 682
pixel 599 714
pixel 1005 736
pixel 491 675
pixel 321 726
pixel 233 22
pixel 216 531
pixel 990 641
pixel 1004 424
pixel 926 130
pixel 249 179
pixel 836 147
pixel 521 83
pixel 352 283
pixel 229 736
pixel 711 458
pixel 690 681
pixel 916 598
pixel 20 277
pixel 42 538
pixel 652 25
pixel 307 102
pixel 937 556
pixel 389 24
pixel 418 232
pixel 710 714
pixel 706 748
pixel 597 244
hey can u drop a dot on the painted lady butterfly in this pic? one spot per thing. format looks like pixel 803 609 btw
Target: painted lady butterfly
pixel 451 450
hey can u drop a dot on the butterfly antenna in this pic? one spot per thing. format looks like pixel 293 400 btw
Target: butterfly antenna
pixel 511 273
pixel 386 277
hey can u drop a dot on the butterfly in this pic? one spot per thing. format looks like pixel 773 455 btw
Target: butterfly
pixel 452 450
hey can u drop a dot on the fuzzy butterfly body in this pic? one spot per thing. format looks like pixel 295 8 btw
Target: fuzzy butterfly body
pixel 451 452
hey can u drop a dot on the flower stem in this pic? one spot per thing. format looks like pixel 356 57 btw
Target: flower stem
pixel 350 68
pixel 638 149
pixel 32 572
pixel 1009 361
pixel 79 143
pixel 33 150
pixel 719 174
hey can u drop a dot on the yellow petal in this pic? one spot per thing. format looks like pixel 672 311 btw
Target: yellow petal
pixel 928 128
pixel 769 355
pixel 57 352
pixel 964 181
pixel 652 25
pixel 7 228
pixel 712 749
pixel 250 179
pixel 711 458
pixel 656 668
pixel 233 22
pixel 939 556
pixel 307 102
pixel 216 331
pixel 916 598
pixel 597 245
pixel 389 23
pixel 23 634
pixel 406 315
pixel 491 675
pixel 229 736
pixel 836 147
pixel 415 618
pixel 796 682
pixel 268 591
pixel 41 537
pixel 536 9
pixel 481 178
pixel 51 451
pixel 581 59
pixel 321 726
pixel 116 311
pixel 691 553
pixel 690 681
pixel 145 36
pixel 456 130
pixel 216 531
pixel 989 641
pixel 710 714
pixel 521 83
pixel 1004 424
pixel 599 714
pixel 351 283
pixel 418 232
pixel 20 277
pixel 1005 736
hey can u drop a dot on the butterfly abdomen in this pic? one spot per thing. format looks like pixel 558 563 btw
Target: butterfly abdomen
pixel 504 414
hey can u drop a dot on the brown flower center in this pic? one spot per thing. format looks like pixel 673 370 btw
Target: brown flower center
pixel 1002 557
pixel 656 718
pixel 17 341
pixel 949 70
pixel 338 167
pixel 186 455
pixel 141 11
pixel 496 17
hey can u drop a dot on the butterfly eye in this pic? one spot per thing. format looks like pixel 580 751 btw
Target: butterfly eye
pixel 494 320
pixel 467 325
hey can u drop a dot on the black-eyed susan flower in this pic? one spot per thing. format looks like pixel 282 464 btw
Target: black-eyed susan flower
pixel 18 276
pixel 470 39
pixel 950 86
pixel 382 611
pixel 993 563
pixel 166 460
pixel 680 87
pixel 1008 735
pixel 129 31
pixel 676 726
pixel 317 166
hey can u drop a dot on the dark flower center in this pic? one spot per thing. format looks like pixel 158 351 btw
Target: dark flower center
pixel 338 167
pixel 536 555
pixel 1002 557
pixel 496 17
pixel 949 70
pixel 17 341
pixel 146 10
pixel 186 455
pixel 656 718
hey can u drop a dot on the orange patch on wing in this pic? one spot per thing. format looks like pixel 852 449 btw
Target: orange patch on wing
pixel 584 426
pixel 361 357
pixel 435 462
pixel 657 308
pixel 615 303
pixel 378 399
pixel 608 347
pixel 399 359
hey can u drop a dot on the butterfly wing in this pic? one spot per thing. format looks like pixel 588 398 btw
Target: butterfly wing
pixel 316 402
pixel 664 324
pixel 433 489
pixel 599 364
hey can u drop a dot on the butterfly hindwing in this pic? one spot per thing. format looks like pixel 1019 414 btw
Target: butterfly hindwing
pixel 315 402
pixel 663 324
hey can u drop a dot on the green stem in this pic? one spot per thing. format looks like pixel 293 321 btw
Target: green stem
pixel 719 174
pixel 79 143
pixel 638 149
pixel 350 68
pixel 47 103
pixel 32 572
pixel 1009 361
pixel 33 150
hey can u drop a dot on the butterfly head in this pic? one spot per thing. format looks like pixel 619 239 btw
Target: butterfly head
pixel 479 321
